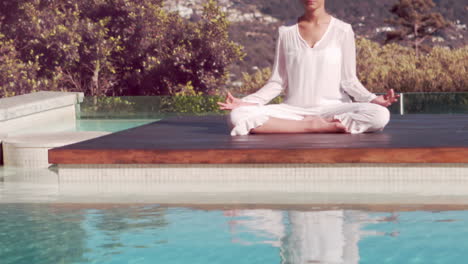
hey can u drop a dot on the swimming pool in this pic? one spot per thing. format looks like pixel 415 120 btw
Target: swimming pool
pixel 44 219
pixel 107 125
pixel 152 233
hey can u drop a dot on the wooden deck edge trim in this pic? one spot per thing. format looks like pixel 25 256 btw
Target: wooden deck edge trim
pixel 230 156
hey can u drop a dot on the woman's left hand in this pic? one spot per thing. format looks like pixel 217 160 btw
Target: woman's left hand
pixel 386 99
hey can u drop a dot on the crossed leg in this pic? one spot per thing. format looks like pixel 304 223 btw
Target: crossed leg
pixel 309 124
pixel 281 118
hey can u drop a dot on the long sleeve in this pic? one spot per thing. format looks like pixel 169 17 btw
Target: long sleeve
pixel 278 79
pixel 349 80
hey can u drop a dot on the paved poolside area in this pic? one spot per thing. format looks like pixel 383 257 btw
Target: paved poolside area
pixel 414 138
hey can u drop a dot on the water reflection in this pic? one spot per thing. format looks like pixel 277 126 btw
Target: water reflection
pixel 151 233
pixel 268 226
pixel 329 236
pixel 36 234
pixel 74 233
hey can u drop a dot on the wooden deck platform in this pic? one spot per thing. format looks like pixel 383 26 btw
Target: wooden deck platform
pixel 418 138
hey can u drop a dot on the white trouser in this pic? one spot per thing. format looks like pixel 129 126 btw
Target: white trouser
pixel 358 117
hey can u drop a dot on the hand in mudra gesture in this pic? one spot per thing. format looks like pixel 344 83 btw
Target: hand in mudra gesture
pixel 386 99
pixel 232 103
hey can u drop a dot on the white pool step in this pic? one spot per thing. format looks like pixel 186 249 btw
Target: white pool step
pixel 39 109
pixel 31 150
pixel 37 112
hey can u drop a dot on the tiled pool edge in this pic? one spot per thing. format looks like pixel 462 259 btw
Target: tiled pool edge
pixel 169 184
pixel 309 172
pixel 39 108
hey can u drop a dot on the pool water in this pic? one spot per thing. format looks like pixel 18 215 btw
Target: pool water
pixel 106 125
pixel 44 220
pixel 151 233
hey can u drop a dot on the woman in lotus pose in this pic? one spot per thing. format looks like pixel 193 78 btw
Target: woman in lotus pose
pixel 315 63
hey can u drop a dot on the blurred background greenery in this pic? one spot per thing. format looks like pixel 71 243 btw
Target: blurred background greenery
pixel 142 48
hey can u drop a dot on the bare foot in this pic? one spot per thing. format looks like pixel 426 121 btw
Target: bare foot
pixel 328 119
pixel 319 124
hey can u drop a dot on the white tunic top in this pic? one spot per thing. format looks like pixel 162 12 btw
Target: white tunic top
pixel 314 76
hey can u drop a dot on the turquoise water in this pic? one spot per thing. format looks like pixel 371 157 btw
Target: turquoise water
pixel 79 233
pixel 75 232
pixel 106 125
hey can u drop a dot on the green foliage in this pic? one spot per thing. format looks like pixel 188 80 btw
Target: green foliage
pixel 436 103
pixel 109 104
pixel 394 66
pixel 149 106
pixel 115 47
pixel 255 81
pixel 187 100
pixel 16 77
pixel 135 47
pixel 189 104
pixel 201 56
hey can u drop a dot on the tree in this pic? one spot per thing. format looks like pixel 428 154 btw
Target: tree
pixel 113 47
pixel 16 76
pixel 416 22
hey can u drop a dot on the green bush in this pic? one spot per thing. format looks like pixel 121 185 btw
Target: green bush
pixel 124 47
pixel 16 77
pixel 119 47
pixel 150 106
pixel 394 66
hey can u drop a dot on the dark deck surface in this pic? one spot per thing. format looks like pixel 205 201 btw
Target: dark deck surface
pixel 205 139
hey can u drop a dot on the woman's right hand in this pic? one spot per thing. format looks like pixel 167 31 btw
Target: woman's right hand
pixel 232 103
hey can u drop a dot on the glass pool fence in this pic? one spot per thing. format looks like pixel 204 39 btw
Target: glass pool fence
pixel 156 107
